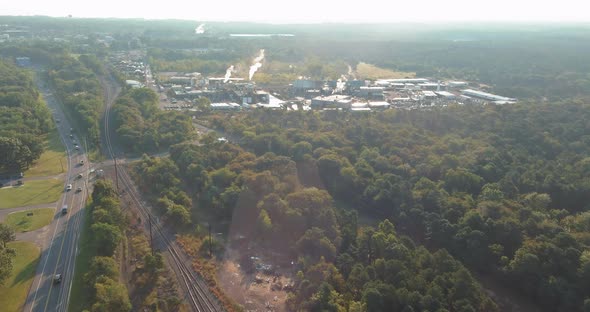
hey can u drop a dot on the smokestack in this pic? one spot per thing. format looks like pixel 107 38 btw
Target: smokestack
pixel 228 73
pixel 200 30
pixel 256 64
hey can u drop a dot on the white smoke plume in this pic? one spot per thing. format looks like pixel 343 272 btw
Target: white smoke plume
pixel 200 29
pixel 340 85
pixel 228 73
pixel 256 64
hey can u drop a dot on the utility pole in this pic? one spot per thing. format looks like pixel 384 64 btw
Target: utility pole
pixel 151 237
pixel 210 242
pixel 116 174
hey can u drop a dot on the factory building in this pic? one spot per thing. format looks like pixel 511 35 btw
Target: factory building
pixel 446 95
pixel 488 96
pixel 301 86
pixel 218 82
pixel 225 106
pixel 353 85
pixel 429 94
pixel 457 84
pixel 431 86
pixel 185 81
pixel 371 93
pixel 380 105
pixel 134 84
pixel 408 80
pixel 331 101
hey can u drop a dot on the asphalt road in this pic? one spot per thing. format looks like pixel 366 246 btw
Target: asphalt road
pixel 59 251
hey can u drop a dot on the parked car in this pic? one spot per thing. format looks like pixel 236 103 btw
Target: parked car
pixel 68 187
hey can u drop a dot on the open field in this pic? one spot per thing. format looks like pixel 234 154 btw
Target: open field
pixel 14 292
pixel 31 193
pixel 53 161
pixel 368 71
pixel 21 222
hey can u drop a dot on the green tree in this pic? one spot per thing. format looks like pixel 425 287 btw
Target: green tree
pixel 6 234
pixel 106 238
pixel 111 296
pixel 101 267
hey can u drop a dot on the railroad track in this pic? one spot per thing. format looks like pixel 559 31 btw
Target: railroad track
pixel 197 292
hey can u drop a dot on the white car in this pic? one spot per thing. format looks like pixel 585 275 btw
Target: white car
pixel 69 187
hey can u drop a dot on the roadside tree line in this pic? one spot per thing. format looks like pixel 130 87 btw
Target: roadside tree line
pixel 24 119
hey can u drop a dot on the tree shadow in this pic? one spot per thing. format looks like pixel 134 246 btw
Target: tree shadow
pixel 26 272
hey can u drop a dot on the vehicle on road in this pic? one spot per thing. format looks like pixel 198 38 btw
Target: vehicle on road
pixel 57 279
pixel 69 187
pixel 79 176
pixel 81 162
pixel 78 190
pixel 64 209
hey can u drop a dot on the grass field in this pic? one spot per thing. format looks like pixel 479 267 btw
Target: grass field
pixel 368 71
pixel 31 193
pixel 80 297
pixel 53 161
pixel 20 222
pixel 14 292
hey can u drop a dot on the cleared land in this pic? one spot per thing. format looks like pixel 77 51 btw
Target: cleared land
pixel 14 292
pixel 31 193
pixel 369 71
pixel 53 161
pixel 22 222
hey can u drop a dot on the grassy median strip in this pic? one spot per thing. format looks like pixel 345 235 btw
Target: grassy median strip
pixel 53 161
pixel 31 193
pixel 14 292
pixel 86 251
pixel 30 220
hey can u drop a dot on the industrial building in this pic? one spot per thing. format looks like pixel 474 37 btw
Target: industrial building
pixel 371 93
pixel 134 84
pixel 379 105
pixel 331 101
pixel 488 96
pixel 446 95
pixel 457 84
pixel 225 106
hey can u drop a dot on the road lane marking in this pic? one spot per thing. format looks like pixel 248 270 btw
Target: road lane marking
pixel 58 220
pixel 63 239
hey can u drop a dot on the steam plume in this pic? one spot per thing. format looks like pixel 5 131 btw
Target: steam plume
pixel 256 64
pixel 200 29
pixel 228 73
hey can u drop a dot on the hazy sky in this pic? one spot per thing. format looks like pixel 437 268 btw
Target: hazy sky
pixel 306 11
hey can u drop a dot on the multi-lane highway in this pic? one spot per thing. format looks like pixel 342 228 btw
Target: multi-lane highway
pixel 58 253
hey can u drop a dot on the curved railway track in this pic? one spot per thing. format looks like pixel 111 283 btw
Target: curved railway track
pixel 197 292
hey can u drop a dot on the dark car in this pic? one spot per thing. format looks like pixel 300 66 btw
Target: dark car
pixel 57 279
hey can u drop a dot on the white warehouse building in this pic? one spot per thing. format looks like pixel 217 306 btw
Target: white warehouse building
pixel 486 96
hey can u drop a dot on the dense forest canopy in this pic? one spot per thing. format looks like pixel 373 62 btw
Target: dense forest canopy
pixel 502 188
pixel 24 119
pixel 142 127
